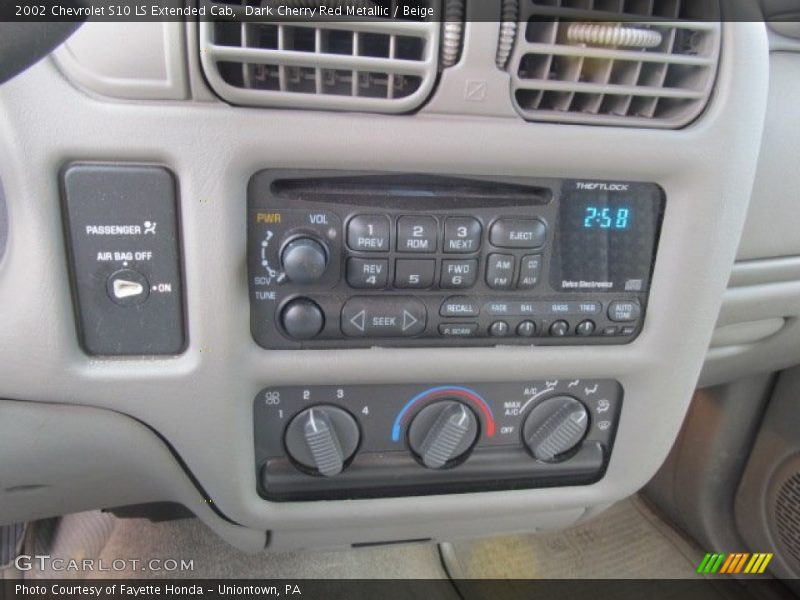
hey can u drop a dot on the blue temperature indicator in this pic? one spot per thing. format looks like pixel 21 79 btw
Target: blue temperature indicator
pixel 606 218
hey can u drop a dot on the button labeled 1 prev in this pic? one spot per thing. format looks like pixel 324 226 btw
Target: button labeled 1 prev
pixel 122 226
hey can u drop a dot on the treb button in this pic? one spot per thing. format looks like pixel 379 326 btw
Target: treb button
pixel 373 317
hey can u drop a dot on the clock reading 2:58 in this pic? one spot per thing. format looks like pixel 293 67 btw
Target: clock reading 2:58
pixel 606 218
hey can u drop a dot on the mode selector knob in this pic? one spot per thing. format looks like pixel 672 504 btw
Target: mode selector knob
pixel 322 438
pixel 442 432
pixel 304 260
pixel 555 427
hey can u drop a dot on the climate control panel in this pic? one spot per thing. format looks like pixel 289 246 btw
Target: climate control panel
pixel 402 260
pixel 324 442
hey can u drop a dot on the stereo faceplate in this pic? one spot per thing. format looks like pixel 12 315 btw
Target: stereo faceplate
pixel 359 260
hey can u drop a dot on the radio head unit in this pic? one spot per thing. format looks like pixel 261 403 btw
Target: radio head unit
pixel 362 259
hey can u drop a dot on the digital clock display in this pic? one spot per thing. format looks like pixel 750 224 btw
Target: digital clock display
pixel 607 236
pixel 607 217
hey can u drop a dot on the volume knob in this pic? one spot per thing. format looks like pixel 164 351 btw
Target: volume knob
pixel 555 427
pixel 322 438
pixel 304 260
pixel 442 432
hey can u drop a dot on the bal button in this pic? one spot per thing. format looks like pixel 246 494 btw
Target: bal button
pixel 526 329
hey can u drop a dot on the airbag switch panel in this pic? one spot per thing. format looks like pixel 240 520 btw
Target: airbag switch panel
pixel 355 260
pixel 122 228
pixel 326 442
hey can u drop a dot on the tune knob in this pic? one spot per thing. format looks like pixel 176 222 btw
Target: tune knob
pixel 322 438
pixel 555 427
pixel 304 260
pixel 442 432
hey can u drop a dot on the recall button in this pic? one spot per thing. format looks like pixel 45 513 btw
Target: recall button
pixel 459 306
pixel 518 233
pixel 400 316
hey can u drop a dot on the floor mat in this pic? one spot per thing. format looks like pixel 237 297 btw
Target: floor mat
pixel 626 541
pixel 213 558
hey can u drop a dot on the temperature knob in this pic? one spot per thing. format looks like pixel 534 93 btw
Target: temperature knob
pixel 554 427
pixel 304 260
pixel 442 432
pixel 322 438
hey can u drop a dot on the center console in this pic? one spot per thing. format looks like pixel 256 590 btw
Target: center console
pixel 341 260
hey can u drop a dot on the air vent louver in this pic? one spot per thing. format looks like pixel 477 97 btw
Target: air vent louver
pixel 371 64
pixel 647 63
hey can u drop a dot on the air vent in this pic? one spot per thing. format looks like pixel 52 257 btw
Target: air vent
pixel 647 63
pixel 370 64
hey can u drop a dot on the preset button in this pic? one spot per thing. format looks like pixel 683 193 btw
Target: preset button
pixel 367 273
pixel 418 273
pixel 368 233
pixel 417 234
pixel 459 273
pixel 462 235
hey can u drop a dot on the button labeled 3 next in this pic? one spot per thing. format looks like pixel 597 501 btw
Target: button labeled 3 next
pixel 374 317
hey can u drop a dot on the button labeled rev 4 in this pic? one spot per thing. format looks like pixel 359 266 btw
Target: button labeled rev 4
pixel 401 316
pixel 367 273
